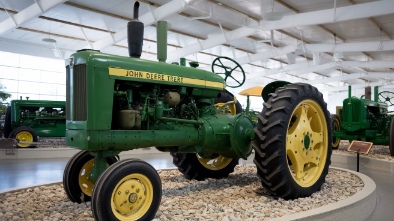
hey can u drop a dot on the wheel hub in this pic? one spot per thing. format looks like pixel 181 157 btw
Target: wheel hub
pixel 129 197
pixel 307 141
pixel 133 198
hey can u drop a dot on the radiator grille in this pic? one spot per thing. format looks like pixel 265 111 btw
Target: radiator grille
pixel 68 114
pixel 79 93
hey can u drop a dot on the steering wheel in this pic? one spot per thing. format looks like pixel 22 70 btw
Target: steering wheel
pixel 387 97
pixel 227 71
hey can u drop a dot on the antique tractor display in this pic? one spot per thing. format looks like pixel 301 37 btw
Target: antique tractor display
pixel 364 119
pixel 117 103
pixel 27 120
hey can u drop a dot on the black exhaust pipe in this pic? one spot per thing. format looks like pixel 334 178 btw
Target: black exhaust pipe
pixel 135 34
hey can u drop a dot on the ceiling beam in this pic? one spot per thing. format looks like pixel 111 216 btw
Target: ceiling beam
pixel 352 47
pixel 364 10
pixel 377 25
pixel 320 26
pixel 290 21
pixel 309 67
pixel 337 78
pixel 26 14
pixel 354 86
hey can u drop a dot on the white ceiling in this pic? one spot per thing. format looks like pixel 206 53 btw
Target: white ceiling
pixel 333 42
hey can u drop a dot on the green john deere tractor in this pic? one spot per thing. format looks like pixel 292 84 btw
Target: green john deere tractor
pixel 364 119
pixel 117 103
pixel 27 120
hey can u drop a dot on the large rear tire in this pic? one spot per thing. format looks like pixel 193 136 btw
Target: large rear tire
pixel 76 181
pixel 391 137
pixel 129 190
pixel 293 142
pixel 336 126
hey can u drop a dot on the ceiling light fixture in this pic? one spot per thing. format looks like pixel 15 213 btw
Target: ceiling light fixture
pixel 272 16
pixel 49 40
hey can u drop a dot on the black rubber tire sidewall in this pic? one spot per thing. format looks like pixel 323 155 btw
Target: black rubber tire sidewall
pixel 15 132
pixel 391 137
pixel 71 174
pixel 189 165
pixel 335 118
pixel 270 144
pixel 7 123
pixel 101 197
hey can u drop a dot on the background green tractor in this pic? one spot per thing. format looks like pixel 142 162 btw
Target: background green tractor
pixel 364 119
pixel 27 120
pixel 117 103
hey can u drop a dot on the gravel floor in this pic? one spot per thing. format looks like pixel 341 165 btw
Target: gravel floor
pixel 238 197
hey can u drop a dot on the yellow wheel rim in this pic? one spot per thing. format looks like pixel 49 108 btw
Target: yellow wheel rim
pixel 307 142
pixel 132 197
pixel 335 127
pixel 24 136
pixel 226 108
pixel 84 178
pixel 217 163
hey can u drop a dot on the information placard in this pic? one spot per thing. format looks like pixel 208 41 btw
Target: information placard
pixel 364 147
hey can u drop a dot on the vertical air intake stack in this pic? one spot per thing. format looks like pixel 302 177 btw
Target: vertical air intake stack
pixel 135 34
pixel 161 32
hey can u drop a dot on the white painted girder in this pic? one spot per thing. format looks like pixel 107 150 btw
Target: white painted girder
pixel 309 67
pixel 354 86
pixel 33 11
pixel 352 47
pixel 364 10
pixel 343 47
pixel 266 55
pixel 160 13
pixel 338 78
pixel 357 11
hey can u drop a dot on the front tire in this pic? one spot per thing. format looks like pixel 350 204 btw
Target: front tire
pixel 76 181
pixel 24 134
pixel 336 126
pixel 129 190
pixel 391 137
pixel 293 126
pixel 7 123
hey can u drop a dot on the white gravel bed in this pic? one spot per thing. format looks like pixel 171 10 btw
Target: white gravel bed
pixel 376 152
pixel 238 197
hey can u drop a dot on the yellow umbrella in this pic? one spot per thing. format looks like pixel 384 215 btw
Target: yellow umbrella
pixel 253 91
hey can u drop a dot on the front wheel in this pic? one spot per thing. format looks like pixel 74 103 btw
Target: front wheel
pixel 391 138
pixel 129 190
pixel 76 181
pixel 336 126
pixel 25 135
pixel 293 142
pixel 7 123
